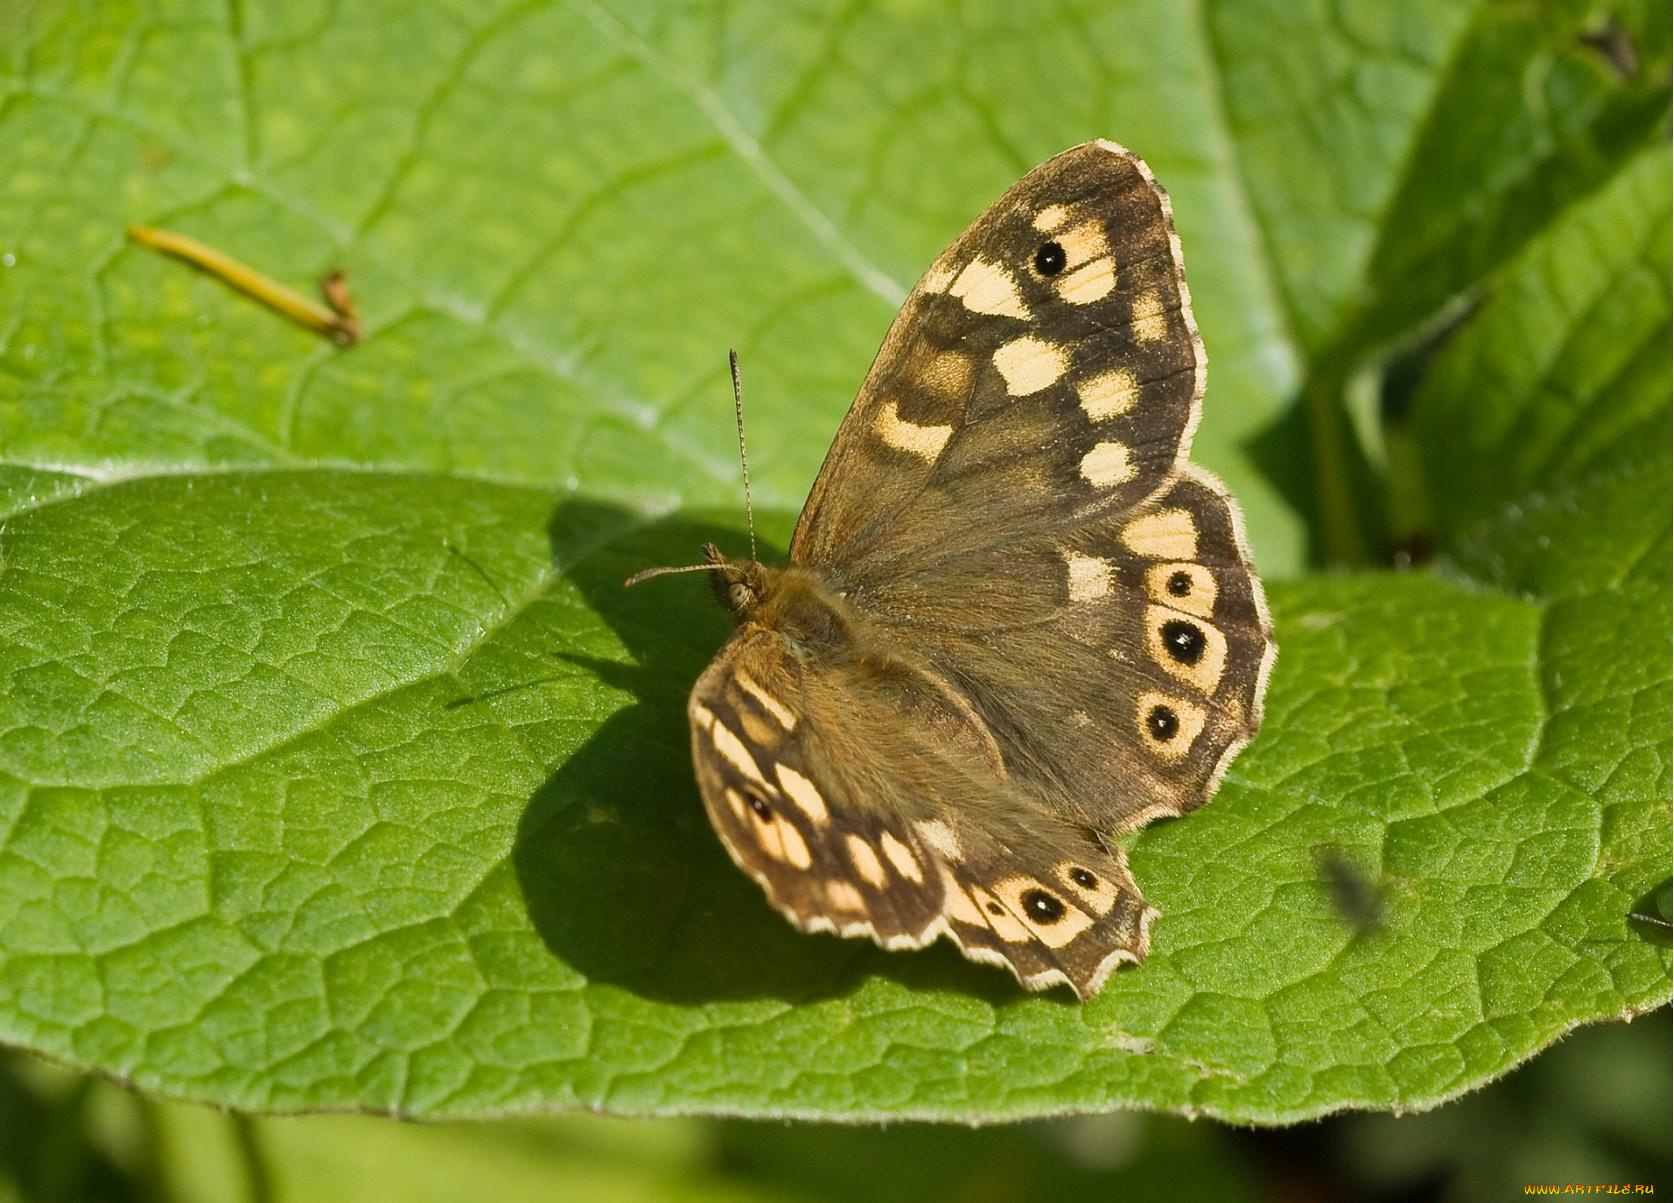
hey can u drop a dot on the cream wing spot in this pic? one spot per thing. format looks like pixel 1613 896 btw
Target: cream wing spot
pixel 999 917
pixel 926 442
pixel 940 837
pixel 1149 320
pixel 795 848
pixel 1088 283
pixel 937 278
pixel 1084 243
pixel 1109 394
pixel 703 716
pixel 1188 587
pixel 803 793
pixel 772 705
pixel 988 288
pixel 843 896
pixel 734 752
pixel 1050 218
pixel 958 905
pixel 1163 535
pixel 901 856
pixel 1029 365
pixel 866 862
pixel 1092 271
pixel 1089 577
pixel 1107 465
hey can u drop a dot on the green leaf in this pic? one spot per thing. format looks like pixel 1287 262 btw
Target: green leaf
pixel 338 771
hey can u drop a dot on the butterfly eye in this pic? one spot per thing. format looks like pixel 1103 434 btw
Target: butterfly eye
pixel 741 596
pixel 1050 259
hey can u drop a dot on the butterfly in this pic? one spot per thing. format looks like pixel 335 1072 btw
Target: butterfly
pixel 1016 622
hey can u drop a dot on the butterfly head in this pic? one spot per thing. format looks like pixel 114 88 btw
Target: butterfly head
pixel 741 585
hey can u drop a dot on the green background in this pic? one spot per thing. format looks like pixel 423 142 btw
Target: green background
pixel 338 772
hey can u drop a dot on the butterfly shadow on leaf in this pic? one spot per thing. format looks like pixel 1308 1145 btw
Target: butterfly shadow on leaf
pixel 623 877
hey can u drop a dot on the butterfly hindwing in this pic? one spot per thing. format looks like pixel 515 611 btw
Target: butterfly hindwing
pixel 1120 664
pixel 873 818
pixel 1049 904
pixel 826 861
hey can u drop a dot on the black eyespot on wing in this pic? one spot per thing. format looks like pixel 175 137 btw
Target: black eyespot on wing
pixel 1050 259
pixel 1083 878
pixel 1180 584
pixel 764 812
pixel 1163 723
pixel 1184 641
pixel 1042 907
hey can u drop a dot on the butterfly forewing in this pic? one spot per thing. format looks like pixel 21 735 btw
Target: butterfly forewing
pixel 1046 365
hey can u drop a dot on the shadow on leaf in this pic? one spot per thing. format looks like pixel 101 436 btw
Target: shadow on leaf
pixel 623 876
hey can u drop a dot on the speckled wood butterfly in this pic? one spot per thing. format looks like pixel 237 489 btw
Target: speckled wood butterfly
pixel 1016 620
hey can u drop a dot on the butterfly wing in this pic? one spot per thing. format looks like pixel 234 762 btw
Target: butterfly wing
pixel 867 800
pixel 1047 365
pixel 1010 497
pixel 1120 662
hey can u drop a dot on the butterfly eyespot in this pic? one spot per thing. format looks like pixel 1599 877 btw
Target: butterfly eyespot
pixel 1163 723
pixel 1042 907
pixel 1180 584
pixel 764 812
pixel 1184 641
pixel 1050 259
pixel 1083 878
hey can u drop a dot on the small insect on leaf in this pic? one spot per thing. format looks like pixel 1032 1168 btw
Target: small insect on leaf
pixel 337 319
pixel 1357 898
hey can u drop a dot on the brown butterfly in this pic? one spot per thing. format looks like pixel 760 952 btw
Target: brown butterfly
pixel 1016 620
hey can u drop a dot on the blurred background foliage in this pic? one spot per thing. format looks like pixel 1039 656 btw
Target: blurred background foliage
pixel 1595 1109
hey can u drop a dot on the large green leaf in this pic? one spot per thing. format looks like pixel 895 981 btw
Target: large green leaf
pixel 338 771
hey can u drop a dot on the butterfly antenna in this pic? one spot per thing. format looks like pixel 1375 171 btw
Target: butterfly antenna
pixel 645 574
pixel 743 456
pixel 749 508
